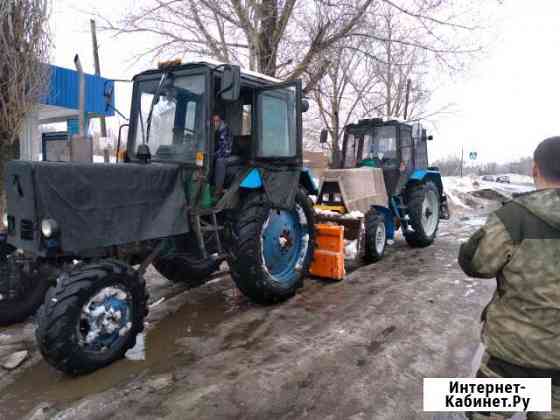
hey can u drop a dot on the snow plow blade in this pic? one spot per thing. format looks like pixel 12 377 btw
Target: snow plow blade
pixel 328 259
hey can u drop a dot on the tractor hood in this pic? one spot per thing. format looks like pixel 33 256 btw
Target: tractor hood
pixel 94 205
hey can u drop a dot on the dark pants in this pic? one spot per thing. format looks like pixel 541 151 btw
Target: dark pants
pixel 491 367
pixel 220 165
pixel 220 169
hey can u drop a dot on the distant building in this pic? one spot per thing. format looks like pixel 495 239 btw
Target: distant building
pixel 60 105
pixel 317 161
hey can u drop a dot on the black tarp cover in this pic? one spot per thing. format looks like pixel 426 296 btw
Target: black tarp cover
pixel 99 205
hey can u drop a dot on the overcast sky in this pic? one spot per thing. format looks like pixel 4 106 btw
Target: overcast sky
pixel 503 107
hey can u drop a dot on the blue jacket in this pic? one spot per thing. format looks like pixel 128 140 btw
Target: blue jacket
pixel 223 142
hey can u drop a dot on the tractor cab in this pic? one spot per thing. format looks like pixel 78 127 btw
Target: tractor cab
pixel 171 121
pixel 393 146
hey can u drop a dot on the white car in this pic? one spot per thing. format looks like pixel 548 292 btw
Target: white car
pixel 504 179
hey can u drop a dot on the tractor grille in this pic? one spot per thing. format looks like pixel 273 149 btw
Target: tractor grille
pixel 26 228
pixel 4 280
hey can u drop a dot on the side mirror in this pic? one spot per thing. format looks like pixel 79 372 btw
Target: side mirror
pixel 430 138
pixel 304 105
pixel 231 83
pixel 323 137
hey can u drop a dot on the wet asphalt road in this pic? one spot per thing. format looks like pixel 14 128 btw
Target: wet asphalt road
pixel 357 349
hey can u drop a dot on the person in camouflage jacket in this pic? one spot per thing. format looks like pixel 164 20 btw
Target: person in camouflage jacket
pixel 520 246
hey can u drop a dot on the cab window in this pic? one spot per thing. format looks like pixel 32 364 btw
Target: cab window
pixel 277 125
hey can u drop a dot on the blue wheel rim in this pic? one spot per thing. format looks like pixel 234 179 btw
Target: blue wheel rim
pixel 105 319
pixel 284 239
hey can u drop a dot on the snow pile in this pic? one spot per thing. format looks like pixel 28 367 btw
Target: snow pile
pixel 356 214
pixel 519 179
pixel 326 212
pixel 472 192
pixel 456 188
pixel 350 249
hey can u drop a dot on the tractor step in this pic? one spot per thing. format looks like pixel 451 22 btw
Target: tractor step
pixel 219 257
pixel 211 228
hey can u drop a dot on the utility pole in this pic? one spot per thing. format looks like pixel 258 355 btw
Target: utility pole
pixel 462 161
pixel 81 95
pixel 97 68
pixel 406 99
pixel 81 148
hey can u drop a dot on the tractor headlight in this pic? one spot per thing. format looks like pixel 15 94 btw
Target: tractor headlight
pixel 49 227
pixel 5 219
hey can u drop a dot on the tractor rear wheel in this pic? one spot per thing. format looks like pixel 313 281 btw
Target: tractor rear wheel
pixel 185 265
pixel 274 248
pixel 423 209
pixel 376 236
pixel 92 316
pixel 21 293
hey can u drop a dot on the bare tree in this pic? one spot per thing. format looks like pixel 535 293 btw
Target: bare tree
pixel 410 43
pixel 398 63
pixel 449 166
pixel 354 55
pixel 372 66
pixel 343 93
pixel 24 44
pixel 282 38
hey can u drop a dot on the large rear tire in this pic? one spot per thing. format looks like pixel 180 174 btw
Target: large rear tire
pixel 185 265
pixel 274 248
pixel 92 316
pixel 20 296
pixel 423 209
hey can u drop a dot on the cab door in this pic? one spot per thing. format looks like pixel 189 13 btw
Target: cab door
pixel 277 137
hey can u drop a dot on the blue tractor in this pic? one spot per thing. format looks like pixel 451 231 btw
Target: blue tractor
pixel 79 236
pixel 383 182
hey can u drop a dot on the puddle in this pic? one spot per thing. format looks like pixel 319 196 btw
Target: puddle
pixel 155 353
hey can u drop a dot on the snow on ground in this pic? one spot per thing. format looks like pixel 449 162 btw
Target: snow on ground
pixel 101 159
pixel 454 187
pixel 471 192
pixel 519 179
pixel 350 249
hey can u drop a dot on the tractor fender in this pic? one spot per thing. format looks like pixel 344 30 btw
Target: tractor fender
pixel 253 180
pixel 278 184
pixel 389 218
pixel 426 175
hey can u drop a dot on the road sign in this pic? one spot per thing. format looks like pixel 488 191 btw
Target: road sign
pixel 473 155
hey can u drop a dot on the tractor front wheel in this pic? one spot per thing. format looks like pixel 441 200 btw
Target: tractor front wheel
pixel 423 209
pixel 376 236
pixel 92 316
pixel 21 292
pixel 274 248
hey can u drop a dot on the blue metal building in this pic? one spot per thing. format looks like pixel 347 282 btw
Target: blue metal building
pixel 61 105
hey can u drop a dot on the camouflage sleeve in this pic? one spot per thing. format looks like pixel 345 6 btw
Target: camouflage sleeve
pixel 487 251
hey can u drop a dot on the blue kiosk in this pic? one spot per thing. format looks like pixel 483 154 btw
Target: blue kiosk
pixel 61 105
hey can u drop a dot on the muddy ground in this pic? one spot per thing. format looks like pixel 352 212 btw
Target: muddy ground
pixel 357 349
